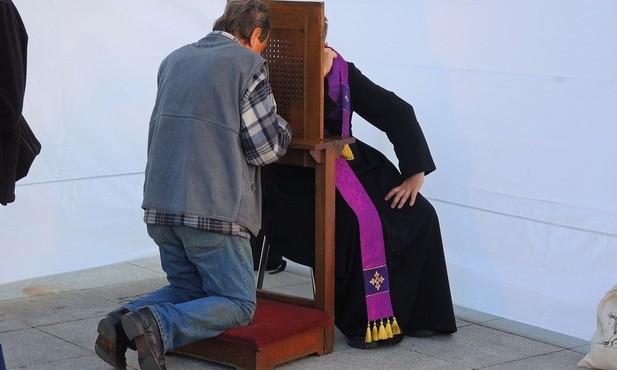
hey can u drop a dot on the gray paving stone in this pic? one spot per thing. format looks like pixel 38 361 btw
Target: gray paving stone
pixel 32 346
pixel 300 290
pixel 562 360
pixel 477 346
pixel 340 341
pixel 582 349
pixel 56 308
pixel 472 316
pixel 393 358
pixel 27 288
pixel 460 323
pixel 175 361
pixel 532 332
pixel 124 292
pixel 8 323
pixel 189 363
pixel 284 279
pixel 153 263
pixel 79 332
pixel 50 323
pixel 103 276
pixel 77 280
pixel 90 362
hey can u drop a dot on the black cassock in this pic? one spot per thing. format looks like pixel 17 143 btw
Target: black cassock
pixel 418 278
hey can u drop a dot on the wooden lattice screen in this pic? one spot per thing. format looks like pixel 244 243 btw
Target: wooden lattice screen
pixel 295 73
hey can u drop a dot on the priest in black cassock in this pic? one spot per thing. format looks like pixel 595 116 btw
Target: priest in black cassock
pixel 418 279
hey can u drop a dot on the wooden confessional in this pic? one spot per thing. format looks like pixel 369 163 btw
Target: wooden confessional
pixel 286 327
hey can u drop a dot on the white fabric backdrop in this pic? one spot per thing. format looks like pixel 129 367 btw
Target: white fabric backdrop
pixel 90 90
pixel 516 99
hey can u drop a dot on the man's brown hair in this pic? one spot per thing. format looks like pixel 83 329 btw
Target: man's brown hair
pixel 241 17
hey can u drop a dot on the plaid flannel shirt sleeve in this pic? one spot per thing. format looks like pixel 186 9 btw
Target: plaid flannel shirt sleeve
pixel 264 135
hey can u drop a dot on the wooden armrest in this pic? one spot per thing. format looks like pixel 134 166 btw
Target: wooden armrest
pixel 307 152
pixel 310 144
pixel 339 140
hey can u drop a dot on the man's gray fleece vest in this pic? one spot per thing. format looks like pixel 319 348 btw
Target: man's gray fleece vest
pixel 195 161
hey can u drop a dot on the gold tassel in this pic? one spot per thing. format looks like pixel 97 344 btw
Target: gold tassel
pixel 347 153
pixel 382 331
pixel 374 333
pixel 389 329
pixel 395 328
pixel 368 337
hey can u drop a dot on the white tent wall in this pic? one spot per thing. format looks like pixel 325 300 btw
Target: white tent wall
pixel 92 68
pixel 516 98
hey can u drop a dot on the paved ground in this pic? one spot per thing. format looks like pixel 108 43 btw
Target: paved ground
pixel 50 323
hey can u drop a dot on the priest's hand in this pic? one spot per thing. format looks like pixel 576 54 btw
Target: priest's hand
pixel 406 192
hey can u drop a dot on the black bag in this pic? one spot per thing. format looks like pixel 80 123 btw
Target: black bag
pixel 29 148
pixel 2 363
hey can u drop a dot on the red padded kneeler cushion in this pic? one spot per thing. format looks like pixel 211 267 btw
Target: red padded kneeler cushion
pixel 273 322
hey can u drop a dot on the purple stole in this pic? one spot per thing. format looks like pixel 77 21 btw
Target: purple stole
pixel 375 270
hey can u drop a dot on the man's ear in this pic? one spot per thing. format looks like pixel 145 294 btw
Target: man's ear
pixel 255 35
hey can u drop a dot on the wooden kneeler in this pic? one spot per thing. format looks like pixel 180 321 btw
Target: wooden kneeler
pixel 279 332
pixel 286 327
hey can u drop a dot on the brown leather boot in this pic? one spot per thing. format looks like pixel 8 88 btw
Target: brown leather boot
pixel 112 342
pixel 140 326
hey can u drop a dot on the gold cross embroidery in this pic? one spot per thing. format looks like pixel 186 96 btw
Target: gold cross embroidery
pixel 377 280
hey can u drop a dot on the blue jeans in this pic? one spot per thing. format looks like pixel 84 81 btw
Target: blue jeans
pixel 211 284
